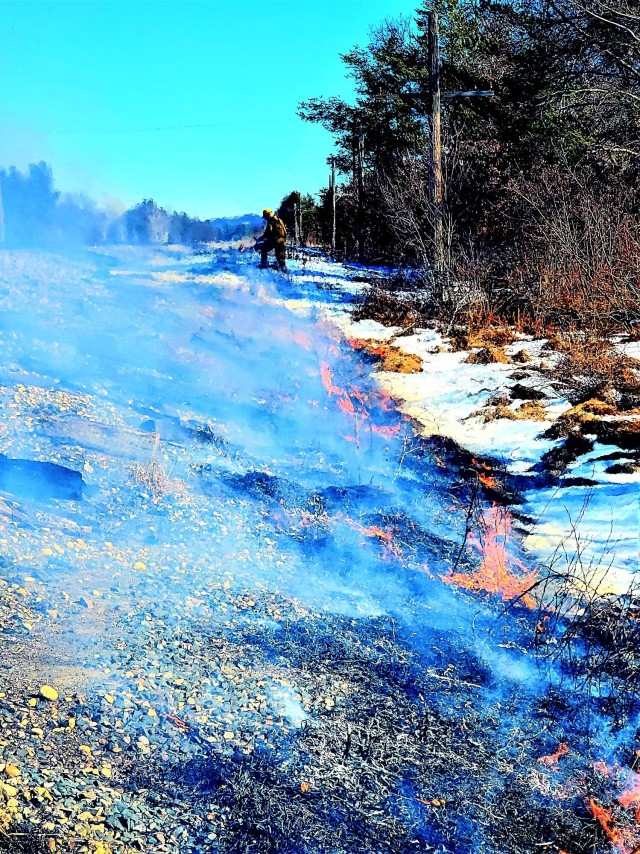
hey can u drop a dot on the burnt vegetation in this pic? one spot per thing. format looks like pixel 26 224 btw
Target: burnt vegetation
pixel 417 759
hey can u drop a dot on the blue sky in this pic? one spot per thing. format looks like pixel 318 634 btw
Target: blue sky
pixel 109 92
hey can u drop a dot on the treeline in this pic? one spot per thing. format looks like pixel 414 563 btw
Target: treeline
pixel 33 212
pixel 541 208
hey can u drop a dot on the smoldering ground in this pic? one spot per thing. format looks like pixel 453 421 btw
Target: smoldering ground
pixel 242 609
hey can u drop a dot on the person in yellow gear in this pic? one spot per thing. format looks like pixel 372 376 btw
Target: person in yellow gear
pixel 273 237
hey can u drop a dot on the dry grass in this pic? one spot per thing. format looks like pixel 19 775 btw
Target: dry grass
pixel 522 357
pixel 401 363
pixel 530 410
pixel 483 336
pixel 592 369
pixel 155 479
pixel 393 358
pixel 488 355
pixel 600 419
pixel 561 342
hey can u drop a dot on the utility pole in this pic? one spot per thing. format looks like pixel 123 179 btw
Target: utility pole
pixel 435 150
pixel 360 170
pixel 332 188
pixel 296 223
pixel 434 96
pixel 1 216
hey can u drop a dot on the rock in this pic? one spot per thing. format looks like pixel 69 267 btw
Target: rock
pixel 48 692
pixel 12 770
pixel 525 392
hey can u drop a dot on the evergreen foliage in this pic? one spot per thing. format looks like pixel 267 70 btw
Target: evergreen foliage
pixel 539 179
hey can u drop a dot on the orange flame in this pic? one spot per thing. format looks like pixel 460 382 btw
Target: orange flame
pixel 631 795
pixel 603 768
pixel 387 431
pixel 384 400
pixel 357 403
pixel 346 405
pixel 551 761
pixel 327 379
pixel 488 480
pixel 495 575
pixel 606 820
pixel 374 531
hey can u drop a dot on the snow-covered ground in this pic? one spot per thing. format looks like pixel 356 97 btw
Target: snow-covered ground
pixel 593 529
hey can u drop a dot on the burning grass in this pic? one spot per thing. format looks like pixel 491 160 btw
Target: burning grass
pixel 282 728
pixel 497 575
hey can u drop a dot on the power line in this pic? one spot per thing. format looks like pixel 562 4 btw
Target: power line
pixel 158 129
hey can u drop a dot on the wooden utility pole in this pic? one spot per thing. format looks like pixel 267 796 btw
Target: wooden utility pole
pixel 332 187
pixel 296 223
pixel 300 231
pixel 435 150
pixel 360 170
pixel 434 96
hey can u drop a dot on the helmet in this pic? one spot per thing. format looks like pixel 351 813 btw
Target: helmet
pixel 266 212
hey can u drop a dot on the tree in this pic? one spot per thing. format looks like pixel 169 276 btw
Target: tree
pixel 540 181
pixel 79 222
pixel 147 223
pixel 300 215
pixel 29 205
pixel 391 62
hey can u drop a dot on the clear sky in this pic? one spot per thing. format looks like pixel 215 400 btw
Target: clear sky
pixel 190 103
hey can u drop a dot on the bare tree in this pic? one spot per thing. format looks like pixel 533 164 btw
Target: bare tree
pixel 603 79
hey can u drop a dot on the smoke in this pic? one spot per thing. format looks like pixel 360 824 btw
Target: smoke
pixel 165 381
pixel 33 213
pixel 243 486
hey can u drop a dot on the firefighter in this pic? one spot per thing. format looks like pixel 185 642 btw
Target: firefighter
pixel 273 237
